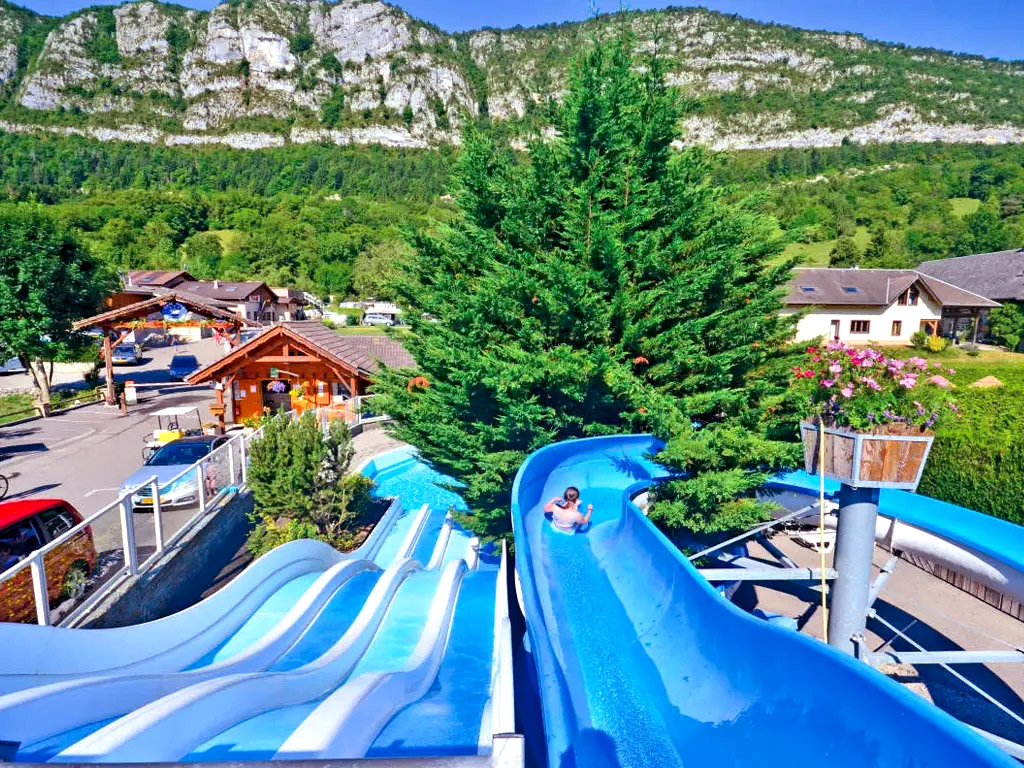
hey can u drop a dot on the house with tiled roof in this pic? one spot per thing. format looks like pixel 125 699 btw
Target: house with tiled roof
pixel 998 276
pixel 880 306
pixel 299 366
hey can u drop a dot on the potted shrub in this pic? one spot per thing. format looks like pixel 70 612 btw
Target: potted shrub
pixel 876 414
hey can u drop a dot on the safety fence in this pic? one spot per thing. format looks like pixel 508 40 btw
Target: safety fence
pixel 58 583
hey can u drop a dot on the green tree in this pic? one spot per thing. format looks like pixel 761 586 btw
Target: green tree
pixel 603 284
pixel 844 253
pixel 987 230
pixel 201 255
pixel 300 484
pixel 377 270
pixel 1007 324
pixel 47 281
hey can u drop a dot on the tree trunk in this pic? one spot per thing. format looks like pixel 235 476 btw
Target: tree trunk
pixel 41 379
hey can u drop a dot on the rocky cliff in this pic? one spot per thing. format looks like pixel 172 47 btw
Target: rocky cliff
pixel 261 73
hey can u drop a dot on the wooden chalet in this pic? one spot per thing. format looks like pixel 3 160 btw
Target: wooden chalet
pixel 299 365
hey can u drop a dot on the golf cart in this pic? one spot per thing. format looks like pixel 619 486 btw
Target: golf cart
pixel 168 421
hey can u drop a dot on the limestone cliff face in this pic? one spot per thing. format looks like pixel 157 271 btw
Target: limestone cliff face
pixel 258 73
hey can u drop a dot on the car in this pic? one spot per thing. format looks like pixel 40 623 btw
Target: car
pixel 169 461
pixel 182 366
pixel 124 354
pixel 376 318
pixel 27 525
pixel 12 366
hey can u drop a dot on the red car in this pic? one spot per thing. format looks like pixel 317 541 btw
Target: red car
pixel 28 525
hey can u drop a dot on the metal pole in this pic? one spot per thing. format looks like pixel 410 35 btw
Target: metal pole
pixel 854 549
pixel 243 458
pixel 231 464
pixel 39 592
pixel 131 557
pixel 158 524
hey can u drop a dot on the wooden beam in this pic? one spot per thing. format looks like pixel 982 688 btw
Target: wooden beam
pixel 108 360
pixel 286 359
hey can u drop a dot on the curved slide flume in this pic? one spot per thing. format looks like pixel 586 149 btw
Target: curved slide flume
pixel 45 711
pixel 640 662
pixel 346 723
pixel 169 728
pixel 35 655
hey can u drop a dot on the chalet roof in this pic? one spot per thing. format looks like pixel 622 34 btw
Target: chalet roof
pixel 162 296
pixel 220 290
pixel 363 354
pixel 998 276
pixel 148 278
pixel 286 295
pixel 872 288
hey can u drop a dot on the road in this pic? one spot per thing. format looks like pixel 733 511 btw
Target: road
pixel 83 456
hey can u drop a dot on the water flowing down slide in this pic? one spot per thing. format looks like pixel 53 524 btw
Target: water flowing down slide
pixel 639 662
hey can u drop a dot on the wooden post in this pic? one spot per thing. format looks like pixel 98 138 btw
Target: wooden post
pixel 108 359
pixel 220 406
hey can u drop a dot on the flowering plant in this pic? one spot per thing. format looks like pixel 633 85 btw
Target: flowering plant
pixel 861 388
pixel 277 387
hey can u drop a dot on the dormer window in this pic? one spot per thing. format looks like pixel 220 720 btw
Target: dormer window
pixel 808 289
pixel 850 289
pixel 909 298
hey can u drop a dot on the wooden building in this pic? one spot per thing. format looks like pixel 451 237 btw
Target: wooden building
pixel 299 365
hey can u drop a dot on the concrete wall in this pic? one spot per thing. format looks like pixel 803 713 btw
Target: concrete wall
pixel 818 321
pixel 183 574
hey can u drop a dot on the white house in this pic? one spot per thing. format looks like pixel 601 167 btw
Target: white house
pixel 877 306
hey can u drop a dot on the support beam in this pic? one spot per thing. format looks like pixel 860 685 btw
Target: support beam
pixel 775 552
pixel 947 657
pixel 108 359
pixel 855 546
pixel 282 359
pixel 765 574
pixel 883 576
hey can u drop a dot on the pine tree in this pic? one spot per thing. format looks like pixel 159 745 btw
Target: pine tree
pixel 844 253
pixel 601 284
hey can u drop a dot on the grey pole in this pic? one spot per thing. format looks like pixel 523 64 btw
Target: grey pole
pixel 855 545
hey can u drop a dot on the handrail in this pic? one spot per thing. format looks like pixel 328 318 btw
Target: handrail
pixel 239 444
pixel 502 704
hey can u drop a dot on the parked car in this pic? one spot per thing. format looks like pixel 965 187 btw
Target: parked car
pixel 26 526
pixel 182 366
pixel 125 354
pixel 171 460
pixel 375 318
pixel 12 366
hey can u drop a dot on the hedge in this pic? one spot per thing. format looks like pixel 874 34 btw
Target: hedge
pixel 978 461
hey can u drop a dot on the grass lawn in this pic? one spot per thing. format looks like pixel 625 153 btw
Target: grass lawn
pixel 19 406
pixel 816 254
pixel 964 205
pixel 1006 366
pixel 229 238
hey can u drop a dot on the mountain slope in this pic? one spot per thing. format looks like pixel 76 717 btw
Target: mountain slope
pixel 261 73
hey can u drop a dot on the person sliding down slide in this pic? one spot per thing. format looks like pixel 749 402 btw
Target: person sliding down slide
pixel 565 511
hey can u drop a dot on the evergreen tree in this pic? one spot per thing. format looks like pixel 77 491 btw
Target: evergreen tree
pixel 600 285
pixel 844 253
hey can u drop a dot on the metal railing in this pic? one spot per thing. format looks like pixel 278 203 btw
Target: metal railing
pixel 120 548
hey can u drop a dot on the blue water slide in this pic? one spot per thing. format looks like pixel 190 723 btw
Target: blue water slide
pixel 639 662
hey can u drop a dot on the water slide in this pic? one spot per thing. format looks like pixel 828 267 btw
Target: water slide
pixel 639 662
pixel 303 632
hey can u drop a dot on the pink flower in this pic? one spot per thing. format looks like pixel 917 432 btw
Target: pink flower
pixel 847 391
pixel 896 365
pixel 836 368
pixel 950 371
pixel 939 381
pixel 909 381
pixel 870 383
pixel 920 362
pixel 828 382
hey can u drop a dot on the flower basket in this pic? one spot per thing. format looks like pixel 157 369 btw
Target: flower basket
pixel 887 456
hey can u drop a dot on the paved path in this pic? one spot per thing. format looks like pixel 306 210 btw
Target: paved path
pixel 84 455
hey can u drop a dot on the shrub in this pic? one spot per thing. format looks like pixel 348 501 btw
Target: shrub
pixel 298 478
pixel 936 344
pixel 919 340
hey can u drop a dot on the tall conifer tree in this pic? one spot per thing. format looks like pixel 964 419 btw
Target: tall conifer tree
pixel 598 284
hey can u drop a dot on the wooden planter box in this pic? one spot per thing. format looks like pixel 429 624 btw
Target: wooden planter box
pixel 887 457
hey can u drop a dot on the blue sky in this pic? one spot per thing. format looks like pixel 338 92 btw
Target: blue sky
pixel 987 27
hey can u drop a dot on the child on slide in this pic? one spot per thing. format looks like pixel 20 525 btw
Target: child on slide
pixel 565 511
